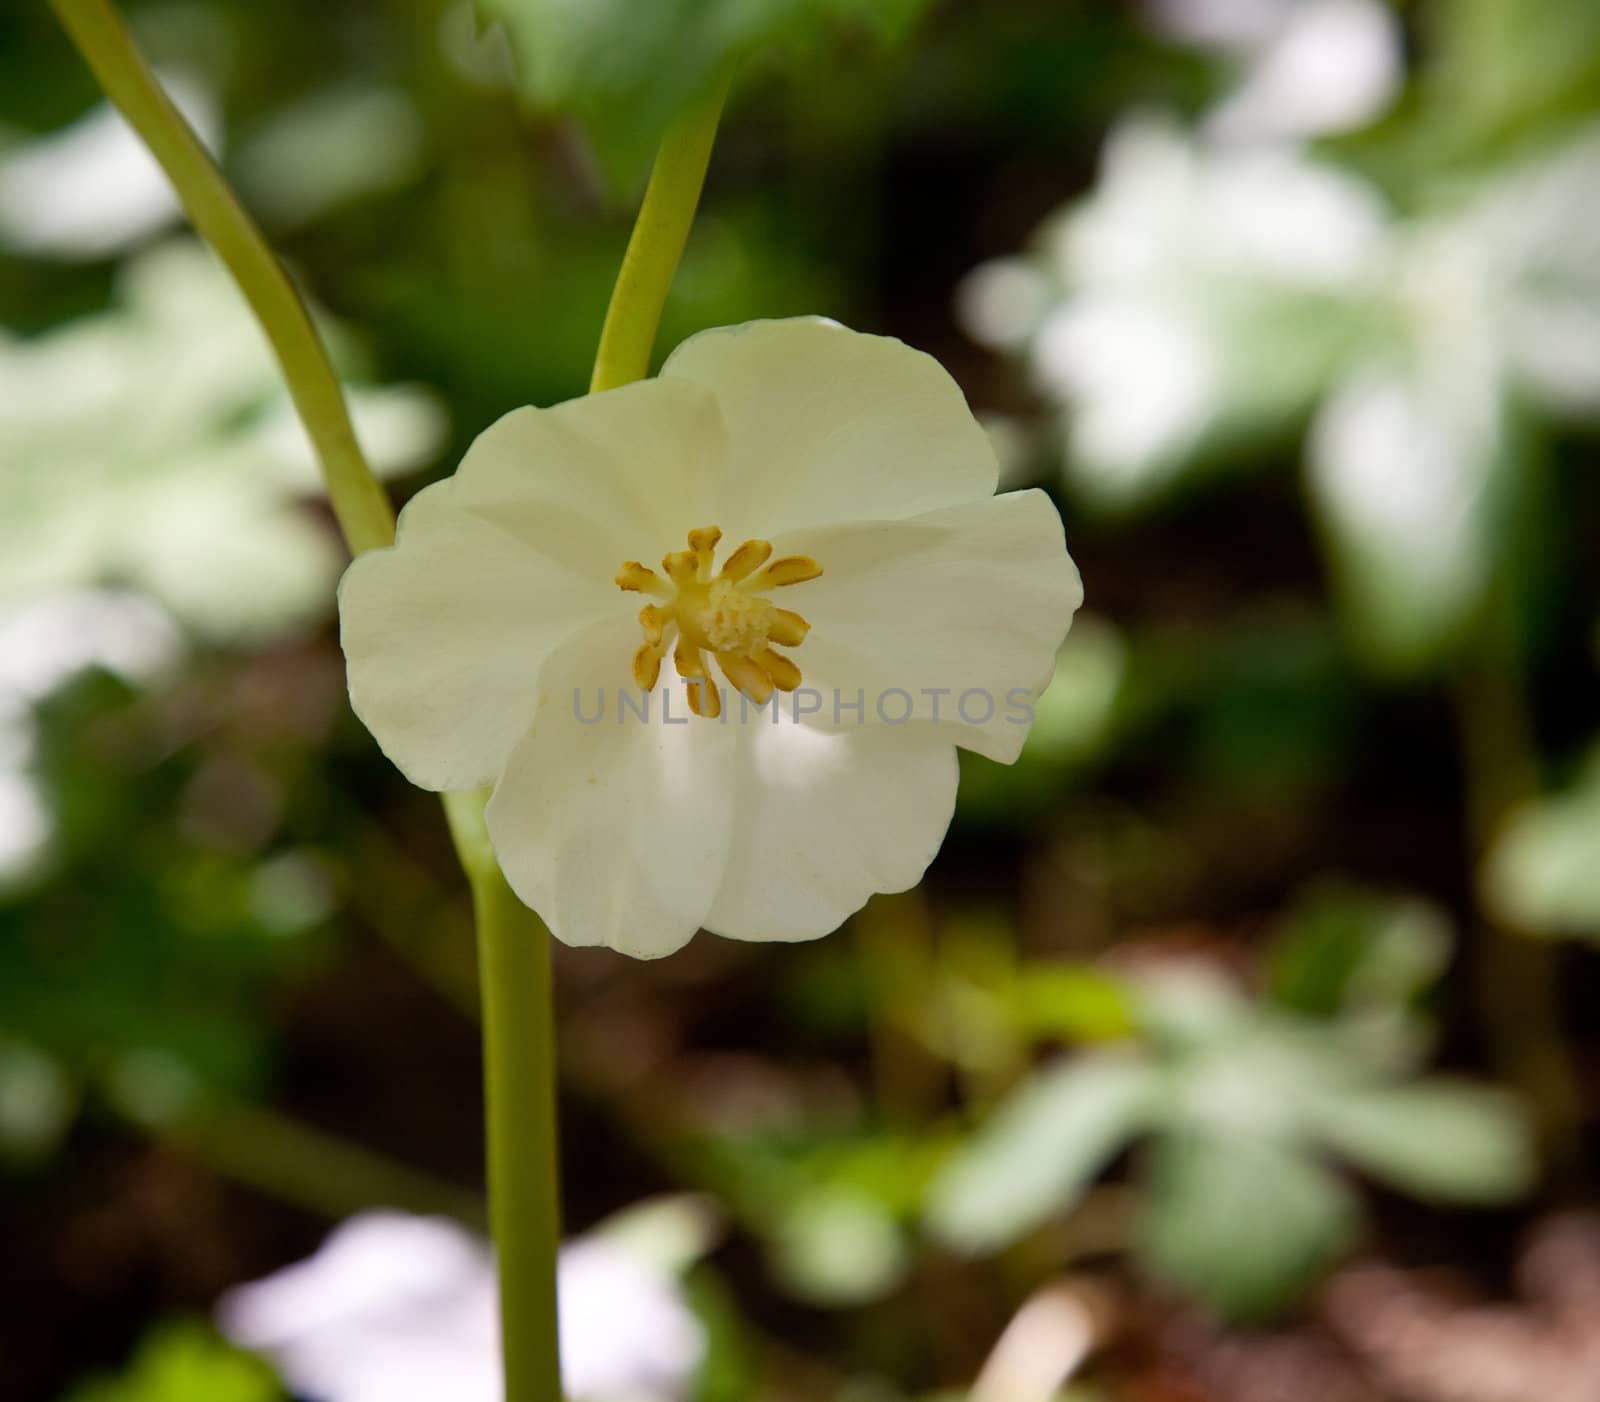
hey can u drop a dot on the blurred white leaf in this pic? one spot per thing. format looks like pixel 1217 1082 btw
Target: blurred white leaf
pixel 1404 466
pixel 92 189
pixel 1203 294
pixel 1325 66
pixel 151 446
pixel 1539 228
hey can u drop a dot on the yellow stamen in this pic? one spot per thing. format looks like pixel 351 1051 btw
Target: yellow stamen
pixel 681 567
pixel 647 665
pixel 791 569
pixel 783 673
pixel 746 560
pixel 746 675
pixel 641 579
pixel 705 699
pixel 724 614
pixel 704 543
pixel 687 659
pixel 788 628
pixel 654 622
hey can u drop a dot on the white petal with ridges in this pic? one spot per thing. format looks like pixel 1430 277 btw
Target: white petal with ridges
pixel 824 821
pixel 970 602
pixel 827 425
pixel 616 830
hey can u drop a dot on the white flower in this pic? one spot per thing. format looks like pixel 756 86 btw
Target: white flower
pixel 869 581
pixel 395 1308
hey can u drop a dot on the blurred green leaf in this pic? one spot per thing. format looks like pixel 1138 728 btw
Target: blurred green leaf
pixel 1242 1224
pixel 1345 947
pixel 838 1246
pixel 1041 1149
pixel 1436 1139
pixel 1077 1002
pixel 625 69
pixel 186 1362
pixel 1499 71
pixel 37 1102
pixel 1542 874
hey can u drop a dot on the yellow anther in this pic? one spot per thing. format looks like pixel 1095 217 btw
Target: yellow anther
pixel 654 621
pixel 787 628
pixel 641 579
pixel 647 665
pixel 724 614
pixel 704 543
pixel 687 659
pixel 782 672
pixel 746 560
pixel 791 569
pixel 681 567
pixel 705 699
pixel 746 674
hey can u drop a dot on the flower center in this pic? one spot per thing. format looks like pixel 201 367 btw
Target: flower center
pixel 724 615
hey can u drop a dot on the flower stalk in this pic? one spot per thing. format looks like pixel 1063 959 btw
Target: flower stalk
pixel 659 235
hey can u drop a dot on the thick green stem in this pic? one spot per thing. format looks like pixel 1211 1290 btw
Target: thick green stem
pixel 364 513
pixel 659 235
pixel 519 1080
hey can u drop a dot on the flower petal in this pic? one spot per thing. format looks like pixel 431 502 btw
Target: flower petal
pixel 443 636
pixel 444 633
pixel 827 425
pixel 595 481
pixel 613 828
pixel 824 821
pixel 954 616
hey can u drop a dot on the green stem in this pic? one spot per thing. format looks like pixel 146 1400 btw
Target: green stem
pixel 519 1082
pixel 364 513
pixel 659 235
